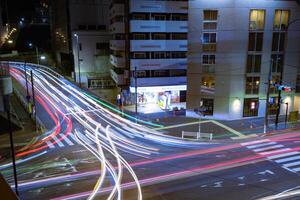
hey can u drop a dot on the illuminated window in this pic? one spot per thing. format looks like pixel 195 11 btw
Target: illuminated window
pixel 250 107
pixel 257 20
pixel 281 20
pixel 210 19
pixel 252 85
pixel 208 81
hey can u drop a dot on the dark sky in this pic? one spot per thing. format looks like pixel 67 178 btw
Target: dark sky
pixel 18 9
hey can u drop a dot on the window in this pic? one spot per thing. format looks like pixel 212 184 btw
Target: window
pixel 257 20
pixel 252 85
pixel 139 36
pixel 161 73
pixel 250 107
pixel 255 41
pixel 139 55
pixel 253 64
pixel 208 81
pixel 159 17
pixel 210 15
pixel 210 19
pixel 275 79
pixel 159 36
pixel 139 16
pixel 277 62
pixel 140 74
pixel 158 55
pixel 208 104
pixel 102 46
pixel 179 36
pixel 179 17
pixel 278 41
pixel 177 72
pixel 281 20
pixel 80 47
pixel 208 59
pixel 82 27
pixel 209 38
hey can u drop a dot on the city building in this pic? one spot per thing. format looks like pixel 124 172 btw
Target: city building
pixel 149 48
pixel 80 33
pixel 232 46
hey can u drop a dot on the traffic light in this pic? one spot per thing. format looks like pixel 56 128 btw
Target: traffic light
pixel 284 88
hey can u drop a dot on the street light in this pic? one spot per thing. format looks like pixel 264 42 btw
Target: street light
pixel 36 51
pixel 10 41
pixel 78 59
pixel 43 57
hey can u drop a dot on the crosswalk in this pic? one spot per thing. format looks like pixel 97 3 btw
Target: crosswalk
pixel 278 153
pixel 61 140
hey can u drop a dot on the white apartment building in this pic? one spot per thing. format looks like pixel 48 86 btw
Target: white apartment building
pixel 149 49
pixel 232 45
pixel 80 28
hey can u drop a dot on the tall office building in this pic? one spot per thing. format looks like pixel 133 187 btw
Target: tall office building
pixel 232 46
pixel 149 50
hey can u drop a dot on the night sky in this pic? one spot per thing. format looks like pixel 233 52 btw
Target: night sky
pixel 18 9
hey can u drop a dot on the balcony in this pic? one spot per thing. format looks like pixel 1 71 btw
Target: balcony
pixel 117 27
pixel 158 45
pixel 159 81
pixel 158 6
pixel 159 64
pixel 118 62
pixel 118 78
pixel 117 45
pixel 158 26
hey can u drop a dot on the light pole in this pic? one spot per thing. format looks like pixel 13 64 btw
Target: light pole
pixel 78 59
pixel 33 99
pixel 136 94
pixel 268 97
pixel 280 81
pixel 36 52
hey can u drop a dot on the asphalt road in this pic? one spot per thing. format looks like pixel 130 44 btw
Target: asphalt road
pixel 92 152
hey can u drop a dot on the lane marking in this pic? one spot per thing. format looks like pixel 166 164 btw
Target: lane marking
pixel 287 159
pixel 73 137
pixel 65 138
pixel 283 155
pixel 268 148
pixel 254 142
pixel 292 164
pixel 276 151
pixel 260 145
pixel 50 145
pixel 60 144
pixel 181 125
pixel 296 169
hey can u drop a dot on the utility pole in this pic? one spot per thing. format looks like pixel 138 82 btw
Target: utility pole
pixel 37 55
pixel 266 124
pixel 136 94
pixel 279 96
pixel 26 81
pixel 33 97
pixel 78 60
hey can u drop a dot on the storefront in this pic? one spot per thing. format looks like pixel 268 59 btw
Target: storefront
pixel 166 97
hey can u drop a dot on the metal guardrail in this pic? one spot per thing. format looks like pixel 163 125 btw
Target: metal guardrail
pixel 197 135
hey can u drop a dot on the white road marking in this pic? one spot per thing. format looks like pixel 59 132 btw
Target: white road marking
pixel 288 159
pixel 254 142
pixel 50 145
pixel 266 172
pixel 292 164
pixel 260 145
pixel 283 155
pixel 60 144
pixel 73 137
pixel 296 169
pixel 276 151
pixel 268 148
pixel 67 140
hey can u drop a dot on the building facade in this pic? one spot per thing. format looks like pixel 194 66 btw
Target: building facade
pixel 149 48
pixel 80 32
pixel 232 46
